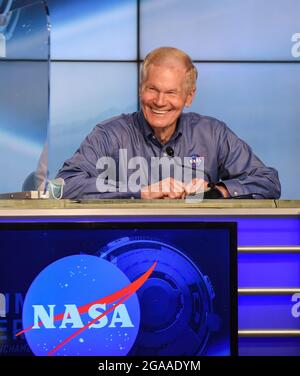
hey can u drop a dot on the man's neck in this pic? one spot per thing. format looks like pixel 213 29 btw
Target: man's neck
pixel 164 135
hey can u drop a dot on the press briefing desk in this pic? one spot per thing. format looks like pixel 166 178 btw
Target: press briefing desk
pixel 268 254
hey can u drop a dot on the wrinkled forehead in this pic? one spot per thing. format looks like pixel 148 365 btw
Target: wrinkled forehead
pixel 172 65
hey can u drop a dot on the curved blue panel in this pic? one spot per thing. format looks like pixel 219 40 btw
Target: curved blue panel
pixel 221 30
pixel 93 30
pixel 267 312
pixel 83 94
pixel 259 102
pixel 269 346
pixel 24 92
pixel 269 270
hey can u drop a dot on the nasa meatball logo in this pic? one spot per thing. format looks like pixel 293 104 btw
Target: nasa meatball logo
pixel 82 305
pixel 195 161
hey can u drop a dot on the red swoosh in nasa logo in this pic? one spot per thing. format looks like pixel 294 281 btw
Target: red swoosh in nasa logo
pixel 120 296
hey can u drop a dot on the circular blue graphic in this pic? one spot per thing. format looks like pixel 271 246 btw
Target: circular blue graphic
pixel 68 286
pixel 176 301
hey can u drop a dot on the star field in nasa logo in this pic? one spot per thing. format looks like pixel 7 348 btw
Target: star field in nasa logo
pixel 82 305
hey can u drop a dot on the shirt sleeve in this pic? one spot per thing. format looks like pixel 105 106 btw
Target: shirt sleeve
pixel 80 172
pixel 242 172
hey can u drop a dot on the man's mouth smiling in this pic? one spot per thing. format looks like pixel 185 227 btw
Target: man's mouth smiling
pixel 159 112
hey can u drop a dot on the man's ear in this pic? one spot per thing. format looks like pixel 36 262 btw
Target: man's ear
pixel 190 97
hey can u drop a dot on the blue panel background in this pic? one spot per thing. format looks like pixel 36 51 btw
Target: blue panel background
pixel 259 102
pixel 267 312
pixel 82 95
pixel 269 270
pixel 269 346
pixel 24 89
pixel 93 29
pixel 23 86
pixel 26 33
pixel 221 30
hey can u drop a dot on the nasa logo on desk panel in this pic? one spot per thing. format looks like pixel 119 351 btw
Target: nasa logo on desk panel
pixel 82 305
pixel 142 297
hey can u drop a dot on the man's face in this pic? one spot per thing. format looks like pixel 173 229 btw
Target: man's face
pixel 164 95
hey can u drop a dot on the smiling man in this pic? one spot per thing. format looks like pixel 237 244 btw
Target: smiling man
pixel 167 86
pixel 125 156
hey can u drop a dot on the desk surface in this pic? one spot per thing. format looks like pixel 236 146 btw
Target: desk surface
pixel 15 208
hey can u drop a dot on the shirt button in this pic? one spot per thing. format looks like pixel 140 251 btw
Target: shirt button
pixel 235 193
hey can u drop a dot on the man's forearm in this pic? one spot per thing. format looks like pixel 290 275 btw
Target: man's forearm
pixel 80 187
pixel 263 184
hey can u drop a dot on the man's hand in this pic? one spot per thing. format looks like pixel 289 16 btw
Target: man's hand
pixel 196 186
pixel 167 188
pixel 222 188
pixel 199 185
pixel 173 189
pixel 170 188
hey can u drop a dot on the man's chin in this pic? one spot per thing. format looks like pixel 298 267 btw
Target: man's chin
pixel 158 122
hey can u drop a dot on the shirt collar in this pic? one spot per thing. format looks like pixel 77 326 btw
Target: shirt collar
pixel 148 131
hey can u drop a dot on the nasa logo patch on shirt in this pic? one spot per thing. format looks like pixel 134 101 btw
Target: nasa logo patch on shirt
pixel 195 160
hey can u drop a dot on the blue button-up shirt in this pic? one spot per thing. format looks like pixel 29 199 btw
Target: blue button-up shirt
pixel 226 157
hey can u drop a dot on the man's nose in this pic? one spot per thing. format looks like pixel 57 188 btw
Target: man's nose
pixel 160 100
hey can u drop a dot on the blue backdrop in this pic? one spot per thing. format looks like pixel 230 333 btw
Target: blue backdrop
pixel 246 52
